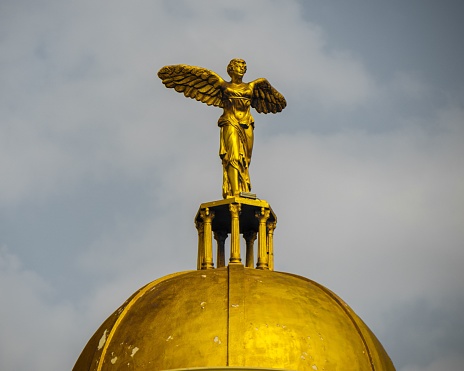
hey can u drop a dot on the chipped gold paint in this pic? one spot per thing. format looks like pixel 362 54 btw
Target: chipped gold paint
pixel 238 317
pixel 123 314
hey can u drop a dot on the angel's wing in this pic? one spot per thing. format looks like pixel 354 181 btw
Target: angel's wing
pixel 267 99
pixel 195 82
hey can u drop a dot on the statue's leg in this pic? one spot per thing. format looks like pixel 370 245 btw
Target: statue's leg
pixel 249 132
pixel 231 156
pixel 232 174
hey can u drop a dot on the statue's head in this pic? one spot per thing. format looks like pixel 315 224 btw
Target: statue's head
pixel 234 63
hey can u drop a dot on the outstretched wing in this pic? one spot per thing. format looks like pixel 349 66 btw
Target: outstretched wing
pixel 195 82
pixel 265 98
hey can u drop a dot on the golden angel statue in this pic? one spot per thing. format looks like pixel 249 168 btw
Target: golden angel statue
pixel 236 122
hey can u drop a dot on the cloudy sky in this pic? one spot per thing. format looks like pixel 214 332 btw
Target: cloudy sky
pixel 103 168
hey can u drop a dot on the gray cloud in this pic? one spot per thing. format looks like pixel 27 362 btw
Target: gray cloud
pixel 103 168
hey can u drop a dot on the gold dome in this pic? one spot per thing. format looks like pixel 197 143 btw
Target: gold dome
pixel 234 317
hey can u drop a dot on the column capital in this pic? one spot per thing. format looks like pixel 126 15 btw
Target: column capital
pixel 264 213
pixel 207 215
pixel 271 226
pixel 235 210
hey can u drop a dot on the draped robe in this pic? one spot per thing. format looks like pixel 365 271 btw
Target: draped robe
pixel 236 137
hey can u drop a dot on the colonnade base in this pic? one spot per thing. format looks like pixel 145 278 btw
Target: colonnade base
pixel 252 218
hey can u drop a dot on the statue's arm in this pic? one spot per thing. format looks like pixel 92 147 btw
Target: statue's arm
pixel 195 82
pixel 265 98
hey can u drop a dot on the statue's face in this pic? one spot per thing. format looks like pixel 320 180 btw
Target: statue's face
pixel 240 68
pixel 237 67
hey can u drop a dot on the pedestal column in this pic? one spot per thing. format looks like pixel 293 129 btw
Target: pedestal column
pixel 235 234
pixel 207 217
pixel 220 237
pixel 270 244
pixel 262 216
pixel 201 244
pixel 250 238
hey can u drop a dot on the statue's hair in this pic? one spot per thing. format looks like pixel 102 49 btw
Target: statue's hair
pixel 232 63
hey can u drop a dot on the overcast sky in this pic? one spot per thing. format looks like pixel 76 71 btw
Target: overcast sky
pixel 103 168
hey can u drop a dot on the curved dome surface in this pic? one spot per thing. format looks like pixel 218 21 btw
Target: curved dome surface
pixel 233 317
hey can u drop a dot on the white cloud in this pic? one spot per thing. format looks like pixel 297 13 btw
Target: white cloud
pixel 374 201
pixel 92 103
pixel 38 332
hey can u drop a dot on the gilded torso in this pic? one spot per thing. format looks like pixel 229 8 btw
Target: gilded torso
pixel 236 104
